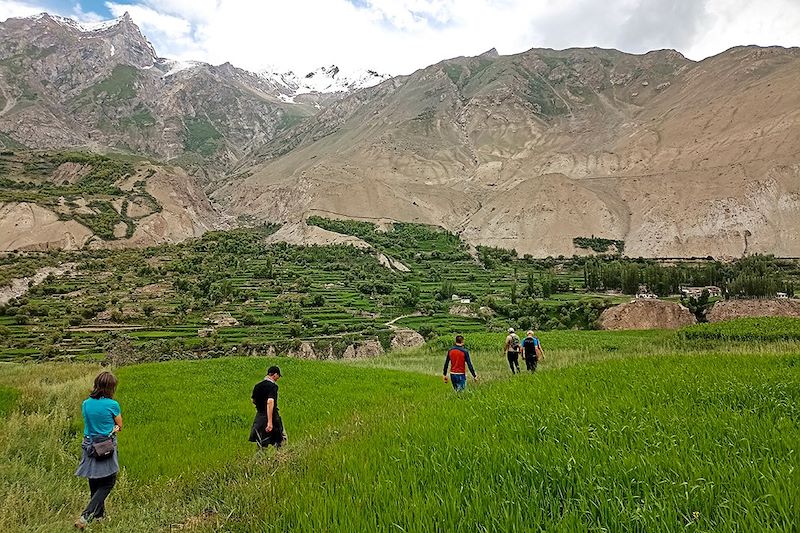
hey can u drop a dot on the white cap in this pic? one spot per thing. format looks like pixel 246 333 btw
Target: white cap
pixel 511 330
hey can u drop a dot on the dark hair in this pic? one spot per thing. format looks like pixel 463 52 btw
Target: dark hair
pixel 459 339
pixel 105 384
pixel 273 370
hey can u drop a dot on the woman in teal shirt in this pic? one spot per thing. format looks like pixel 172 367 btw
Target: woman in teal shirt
pixel 102 419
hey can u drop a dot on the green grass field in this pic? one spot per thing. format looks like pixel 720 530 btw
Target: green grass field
pixel 629 431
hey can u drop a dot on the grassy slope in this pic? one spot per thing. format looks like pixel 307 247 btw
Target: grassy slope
pixel 8 397
pixel 629 443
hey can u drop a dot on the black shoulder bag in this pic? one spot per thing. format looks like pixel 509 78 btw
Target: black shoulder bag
pixel 102 447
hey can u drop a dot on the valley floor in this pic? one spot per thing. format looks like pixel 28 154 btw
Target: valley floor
pixel 628 431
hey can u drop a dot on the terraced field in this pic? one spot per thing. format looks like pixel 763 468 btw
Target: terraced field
pixel 277 295
pixel 230 293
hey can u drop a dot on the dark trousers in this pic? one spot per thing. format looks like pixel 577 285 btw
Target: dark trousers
pixel 530 363
pixel 100 489
pixel 259 435
pixel 459 381
pixel 513 361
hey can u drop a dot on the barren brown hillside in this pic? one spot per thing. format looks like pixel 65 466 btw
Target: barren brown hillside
pixel 98 202
pixel 676 158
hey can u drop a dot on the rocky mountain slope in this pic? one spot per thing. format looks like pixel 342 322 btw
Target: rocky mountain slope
pixel 62 84
pixel 529 151
pixel 676 158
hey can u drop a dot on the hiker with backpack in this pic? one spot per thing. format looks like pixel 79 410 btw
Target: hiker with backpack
pixel 532 350
pixel 512 349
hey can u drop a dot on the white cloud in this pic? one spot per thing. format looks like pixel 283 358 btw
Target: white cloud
pixel 85 16
pixel 399 36
pixel 11 8
pixel 395 36
pixel 171 35
pixel 743 22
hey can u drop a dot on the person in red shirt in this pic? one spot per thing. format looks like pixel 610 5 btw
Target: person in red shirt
pixel 458 361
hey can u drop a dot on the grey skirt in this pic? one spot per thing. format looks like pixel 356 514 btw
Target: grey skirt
pixel 92 468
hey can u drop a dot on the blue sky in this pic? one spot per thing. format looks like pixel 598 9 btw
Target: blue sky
pixel 96 6
pixel 399 36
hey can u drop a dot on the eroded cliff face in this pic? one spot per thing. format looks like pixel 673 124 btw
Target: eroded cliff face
pixel 676 158
pixel 73 200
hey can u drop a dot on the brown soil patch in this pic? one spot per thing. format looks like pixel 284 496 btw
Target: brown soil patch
pixel 20 286
pixel 120 229
pixel 25 226
pixel 154 289
pixel 729 309
pixel 301 234
pixel 651 314
pixel 463 310
pixel 407 338
pixel 70 173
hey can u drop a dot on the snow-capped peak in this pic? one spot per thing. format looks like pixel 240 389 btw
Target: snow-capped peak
pixel 84 27
pixel 329 79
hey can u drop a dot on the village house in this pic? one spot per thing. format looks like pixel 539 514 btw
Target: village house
pixel 697 292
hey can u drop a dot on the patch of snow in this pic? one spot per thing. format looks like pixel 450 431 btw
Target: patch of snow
pixel 323 80
pixel 113 50
pixel 176 66
pixel 84 27
pixel 286 98
pixel 99 26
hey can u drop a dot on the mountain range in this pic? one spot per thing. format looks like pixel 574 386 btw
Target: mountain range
pixel 532 151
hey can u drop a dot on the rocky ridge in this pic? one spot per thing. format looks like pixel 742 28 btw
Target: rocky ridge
pixel 674 157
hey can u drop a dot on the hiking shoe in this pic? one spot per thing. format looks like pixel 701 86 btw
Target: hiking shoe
pixel 81 523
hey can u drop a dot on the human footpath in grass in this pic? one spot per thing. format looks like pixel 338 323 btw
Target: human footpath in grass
pixel 617 431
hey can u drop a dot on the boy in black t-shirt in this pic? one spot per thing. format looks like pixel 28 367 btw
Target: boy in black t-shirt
pixel 267 427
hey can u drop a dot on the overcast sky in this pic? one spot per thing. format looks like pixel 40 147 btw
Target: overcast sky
pixel 399 36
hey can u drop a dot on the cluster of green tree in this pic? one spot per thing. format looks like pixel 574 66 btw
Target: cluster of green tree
pixel 21 265
pixel 104 172
pixel 599 244
pixel 492 256
pixel 402 240
pixel 752 276
pixel 748 285
pixel 540 285
pixel 528 313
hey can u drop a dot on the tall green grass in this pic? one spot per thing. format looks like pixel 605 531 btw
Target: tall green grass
pixel 8 398
pixel 185 418
pixel 642 435
pixel 746 329
pixel 657 444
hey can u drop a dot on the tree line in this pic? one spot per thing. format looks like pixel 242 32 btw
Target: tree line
pixel 757 276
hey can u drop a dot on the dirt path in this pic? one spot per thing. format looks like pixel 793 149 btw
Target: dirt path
pixel 401 317
pixel 19 286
